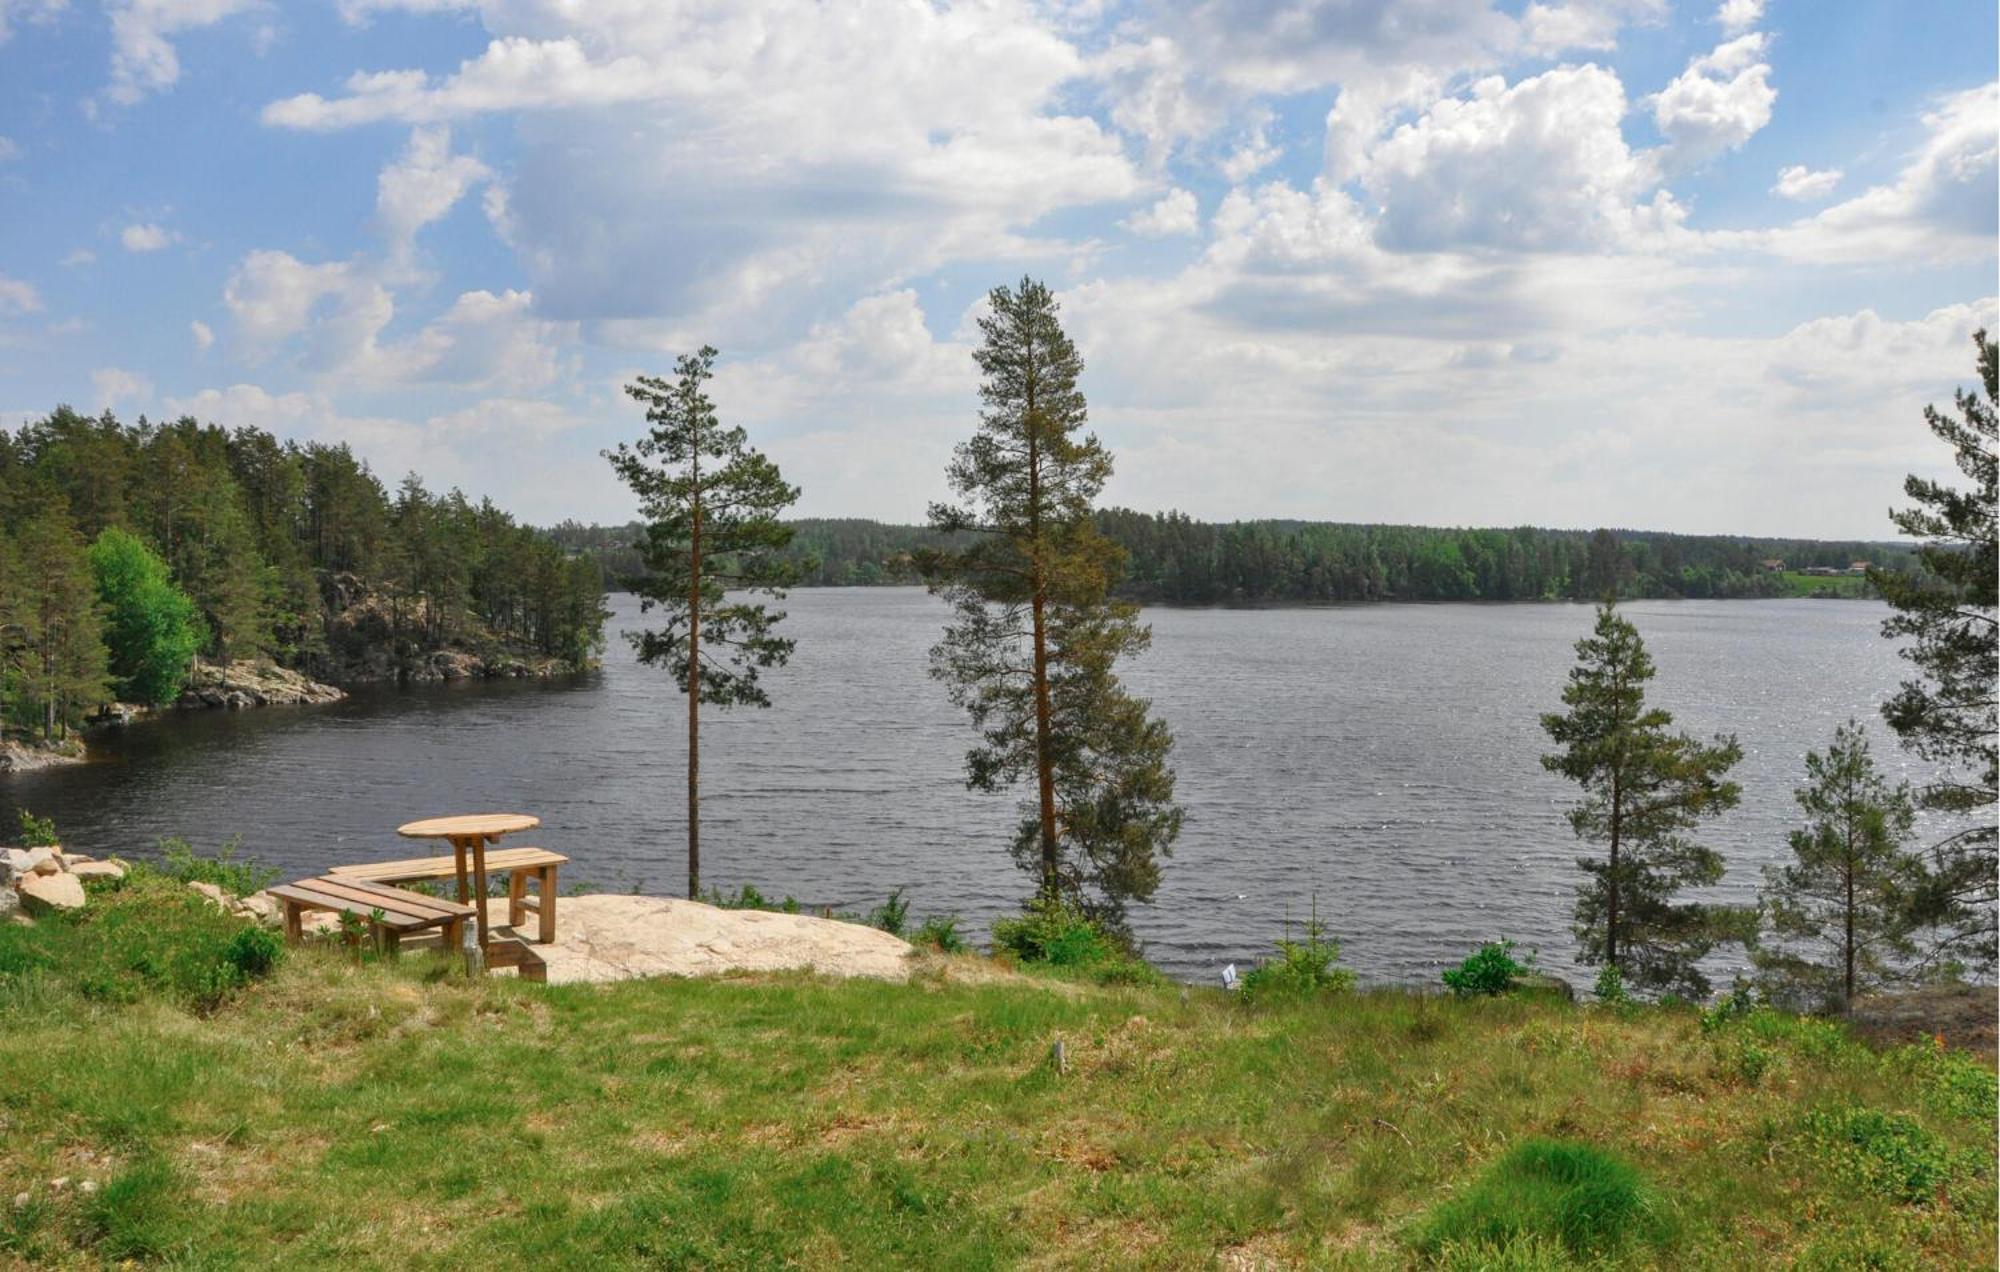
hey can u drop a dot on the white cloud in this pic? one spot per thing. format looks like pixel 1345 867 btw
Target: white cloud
pixel 204 335
pixel 1254 151
pixel 81 256
pixel 147 237
pixel 18 297
pixel 1541 165
pixel 1738 16
pixel 1719 102
pixel 1941 206
pixel 1805 185
pixel 423 184
pixel 143 59
pixel 110 386
pixel 1176 213
pixel 29 12
pixel 9 150
pixel 739 127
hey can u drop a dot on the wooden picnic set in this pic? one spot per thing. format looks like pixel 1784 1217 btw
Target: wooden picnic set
pixel 365 895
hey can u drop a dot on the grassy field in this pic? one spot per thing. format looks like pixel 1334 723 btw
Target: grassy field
pixel 397 1116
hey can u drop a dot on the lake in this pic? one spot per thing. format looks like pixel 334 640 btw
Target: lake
pixel 1382 759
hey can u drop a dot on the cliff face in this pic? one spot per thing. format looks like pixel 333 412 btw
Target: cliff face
pixel 372 638
pixel 251 683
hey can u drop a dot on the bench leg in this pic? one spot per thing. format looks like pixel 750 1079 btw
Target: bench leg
pixel 294 927
pixel 388 940
pixel 545 906
pixel 454 935
pixel 517 887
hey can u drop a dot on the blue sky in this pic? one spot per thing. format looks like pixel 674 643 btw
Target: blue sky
pixel 1626 262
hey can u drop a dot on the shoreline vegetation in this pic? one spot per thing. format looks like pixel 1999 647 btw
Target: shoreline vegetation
pixel 1172 559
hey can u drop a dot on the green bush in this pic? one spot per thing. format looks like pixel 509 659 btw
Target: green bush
pixel 1885 1153
pixel 1490 969
pixel 1053 932
pixel 1610 987
pixel 37 832
pixel 749 898
pixel 1301 969
pixel 1574 1195
pixel 940 932
pixel 150 937
pixel 891 915
pixel 179 861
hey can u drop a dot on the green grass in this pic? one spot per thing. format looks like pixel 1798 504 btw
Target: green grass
pixel 1844 586
pixel 393 1115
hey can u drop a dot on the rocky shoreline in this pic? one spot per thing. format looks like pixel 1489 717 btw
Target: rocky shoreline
pixel 22 756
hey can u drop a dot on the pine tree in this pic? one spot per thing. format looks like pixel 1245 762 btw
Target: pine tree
pixel 1644 790
pixel 711 505
pixel 60 657
pixel 1839 909
pixel 1031 649
pixel 1946 613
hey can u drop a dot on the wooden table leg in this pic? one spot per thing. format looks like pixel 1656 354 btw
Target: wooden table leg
pixel 547 905
pixel 294 928
pixel 458 851
pixel 517 887
pixel 479 882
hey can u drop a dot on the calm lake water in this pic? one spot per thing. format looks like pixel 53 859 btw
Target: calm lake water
pixel 1384 759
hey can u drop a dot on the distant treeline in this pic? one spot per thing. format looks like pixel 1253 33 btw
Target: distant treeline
pixel 273 542
pixel 1174 559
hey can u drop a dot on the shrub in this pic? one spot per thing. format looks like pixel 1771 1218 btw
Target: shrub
pixel 1490 969
pixel 1575 1195
pixel 746 898
pixel 37 832
pixel 150 937
pixel 891 915
pixel 1886 1153
pixel 1053 932
pixel 1302 968
pixel 1738 1004
pixel 1610 987
pixel 940 932
pixel 179 861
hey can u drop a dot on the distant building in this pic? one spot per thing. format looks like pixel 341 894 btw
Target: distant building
pixel 1859 567
pixel 1773 565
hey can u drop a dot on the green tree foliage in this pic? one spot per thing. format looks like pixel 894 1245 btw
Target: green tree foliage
pixel 1645 789
pixel 1035 637
pixel 1946 714
pixel 1839 909
pixel 711 505
pixel 272 541
pixel 56 650
pixel 150 628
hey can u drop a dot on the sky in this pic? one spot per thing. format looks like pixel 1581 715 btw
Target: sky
pixel 1679 266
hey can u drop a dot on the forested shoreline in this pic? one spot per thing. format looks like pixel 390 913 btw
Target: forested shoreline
pixel 1171 558
pixel 130 550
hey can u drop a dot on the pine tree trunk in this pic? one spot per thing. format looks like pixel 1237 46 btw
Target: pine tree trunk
pixel 1611 877
pixel 694 701
pixel 1847 949
pixel 1045 775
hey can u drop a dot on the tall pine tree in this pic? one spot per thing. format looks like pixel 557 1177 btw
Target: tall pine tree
pixel 1839 909
pixel 60 654
pixel 1946 714
pixel 711 506
pixel 1035 637
pixel 1644 790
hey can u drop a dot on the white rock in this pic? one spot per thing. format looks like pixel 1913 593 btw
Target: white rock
pixel 263 907
pixel 23 1200
pixel 56 891
pixel 96 869
pixel 40 861
pixel 605 938
pixel 222 900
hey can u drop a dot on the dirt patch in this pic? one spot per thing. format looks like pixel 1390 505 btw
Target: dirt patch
pixel 1964 1016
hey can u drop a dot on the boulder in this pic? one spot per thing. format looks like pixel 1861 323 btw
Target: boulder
pixel 1543 985
pixel 15 861
pixel 96 869
pixel 10 900
pixel 59 891
pixel 44 861
pixel 263 907
pixel 216 896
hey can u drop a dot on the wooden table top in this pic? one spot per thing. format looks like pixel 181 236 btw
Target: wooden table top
pixel 484 824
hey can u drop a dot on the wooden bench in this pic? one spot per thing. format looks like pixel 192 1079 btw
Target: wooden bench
pixel 519 864
pixel 390 912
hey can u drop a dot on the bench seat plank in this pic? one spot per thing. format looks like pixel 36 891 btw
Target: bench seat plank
pixel 414 869
pixel 363 901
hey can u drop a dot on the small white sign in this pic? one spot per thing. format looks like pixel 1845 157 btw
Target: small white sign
pixel 1229 977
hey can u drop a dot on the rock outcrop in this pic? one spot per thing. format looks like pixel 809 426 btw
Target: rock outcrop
pixel 252 683
pixel 19 756
pixel 609 938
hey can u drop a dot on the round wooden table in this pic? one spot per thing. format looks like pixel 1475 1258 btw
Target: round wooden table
pixel 469 836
